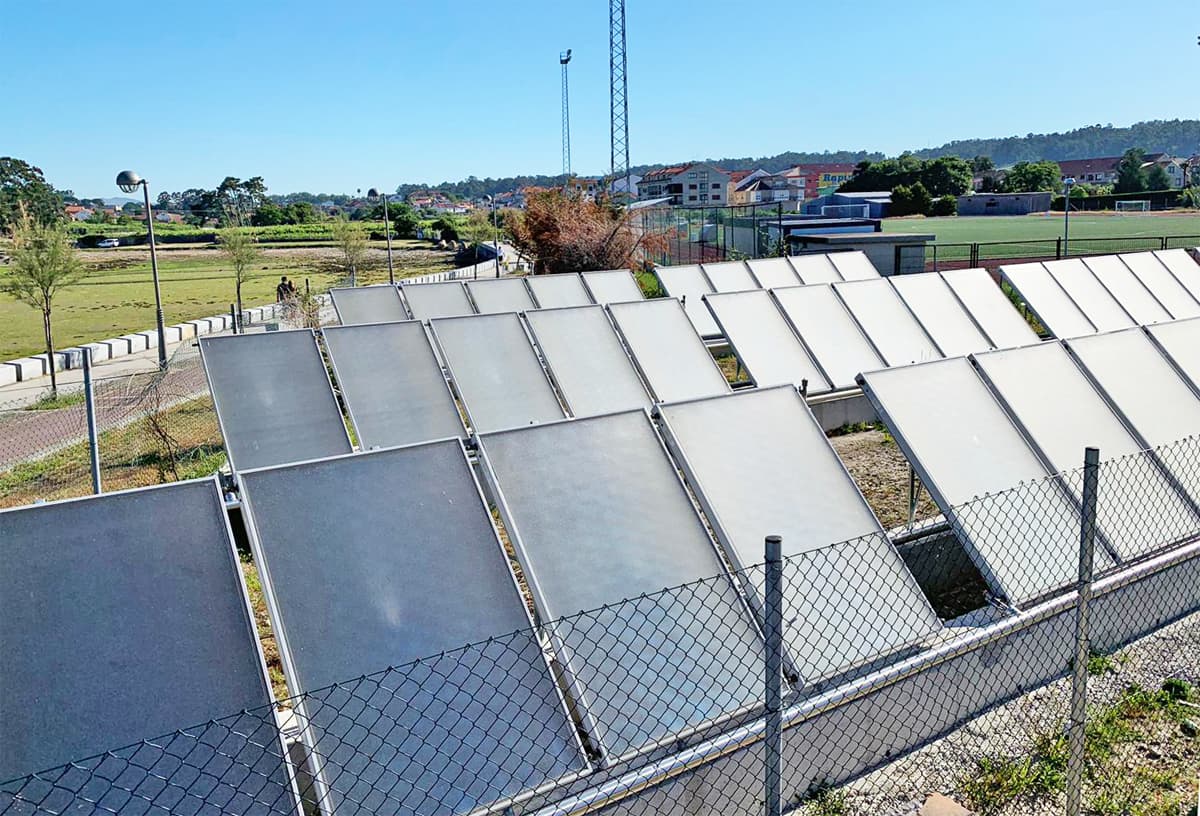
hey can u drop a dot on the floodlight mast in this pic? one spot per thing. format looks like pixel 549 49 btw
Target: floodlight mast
pixel 1068 183
pixel 564 58
pixel 387 231
pixel 129 181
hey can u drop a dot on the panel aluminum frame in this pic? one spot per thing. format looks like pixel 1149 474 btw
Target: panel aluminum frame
pixel 764 342
pixel 357 305
pixel 398 360
pixel 688 284
pixel 1048 301
pixel 1087 292
pixel 625 436
pixel 303 437
pixel 387 620
pixel 1130 292
pixel 594 375
pixel 940 312
pixel 990 308
pixel 665 362
pixel 611 286
pixel 838 345
pixel 426 301
pixel 887 321
pixel 1167 289
pixel 499 295
pixel 773 455
pixel 485 376
pixel 558 291
pixel 770 273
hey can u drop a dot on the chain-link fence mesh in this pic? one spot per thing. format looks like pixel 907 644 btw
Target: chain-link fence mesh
pixel 656 704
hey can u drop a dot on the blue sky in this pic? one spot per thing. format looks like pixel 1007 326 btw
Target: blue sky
pixel 334 96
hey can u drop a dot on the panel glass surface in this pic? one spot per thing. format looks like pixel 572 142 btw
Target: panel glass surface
pixel 815 268
pixel 1165 287
pixel 940 314
pixel 887 322
pixel 612 286
pixel 839 345
pixel 773 272
pixel 730 276
pixel 853 265
pixel 1063 413
pixel 429 300
pixel 689 285
pixel 496 371
pixel 417 570
pixel 368 304
pixel 273 398
pixel 964 447
pixel 123 618
pixel 763 466
pixel 1047 300
pixel 558 291
pixel 1181 265
pixel 598 515
pixel 991 308
pixel 1100 308
pixel 392 384
pixel 500 295
pixel 668 352
pixel 764 341
pixel 588 362
pixel 1133 296
pixel 1181 339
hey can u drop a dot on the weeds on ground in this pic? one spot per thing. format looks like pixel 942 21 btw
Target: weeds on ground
pixel 51 402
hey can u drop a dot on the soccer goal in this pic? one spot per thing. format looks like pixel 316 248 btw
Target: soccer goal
pixel 1124 207
pixel 846 210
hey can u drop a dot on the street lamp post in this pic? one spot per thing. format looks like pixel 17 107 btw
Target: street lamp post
pixel 129 181
pixel 387 231
pixel 1068 183
pixel 495 234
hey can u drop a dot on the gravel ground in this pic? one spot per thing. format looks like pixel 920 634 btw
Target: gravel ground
pixel 881 472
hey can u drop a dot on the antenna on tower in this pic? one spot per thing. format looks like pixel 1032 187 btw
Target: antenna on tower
pixel 563 59
pixel 618 97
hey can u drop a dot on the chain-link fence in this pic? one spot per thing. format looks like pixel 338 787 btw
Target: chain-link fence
pixel 693 700
pixel 993 253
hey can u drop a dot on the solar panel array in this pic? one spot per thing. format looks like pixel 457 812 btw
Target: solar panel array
pixel 978 425
pixel 1081 296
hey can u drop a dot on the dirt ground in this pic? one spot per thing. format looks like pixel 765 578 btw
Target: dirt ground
pixel 881 472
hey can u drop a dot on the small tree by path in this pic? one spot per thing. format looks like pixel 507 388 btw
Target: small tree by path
pixel 43 262
pixel 243 253
pixel 351 243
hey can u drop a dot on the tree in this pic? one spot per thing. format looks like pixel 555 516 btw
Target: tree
pixel 23 184
pixel 268 214
pixel 405 220
pixel 351 243
pixel 301 212
pixel 43 262
pixel 1033 177
pixel 910 200
pixel 947 176
pixel 946 205
pixel 1157 178
pixel 1131 178
pixel 982 164
pixel 239 247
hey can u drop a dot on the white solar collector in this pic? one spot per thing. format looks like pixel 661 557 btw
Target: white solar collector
pixel 761 465
pixel 367 304
pixel 1165 287
pixel 830 333
pixel 1181 265
pixel 853 265
pixel 1085 289
pixel 773 272
pixel 597 513
pixel 990 307
pixel 1180 339
pixel 558 290
pixel 273 398
pixel 670 356
pixel 762 339
pixel 729 276
pixel 689 285
pixel 964 446
pixel 429 300
pixel 587 361
pixel 888 323
pixel 392 384
pixel 1133 296
pixel 815 268
pixel 385 558
pixel 611 286
pixel 1044 297
pixel 495 371
pixel 500 295
pixel 1063 413
pixel 940 313
pixel 124 617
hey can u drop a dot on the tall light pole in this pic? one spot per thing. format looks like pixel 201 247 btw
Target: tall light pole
pixel 495 234
pixel 1068 183
pixel 129 181
pixel 387 231
pixel 564 58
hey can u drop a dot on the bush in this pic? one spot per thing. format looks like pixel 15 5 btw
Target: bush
pixel 910 200
pixel 946 205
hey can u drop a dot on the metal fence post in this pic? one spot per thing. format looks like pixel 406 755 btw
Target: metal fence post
pixel 234 317
pixel 89 401
pixel 773 676
pixel 1087 554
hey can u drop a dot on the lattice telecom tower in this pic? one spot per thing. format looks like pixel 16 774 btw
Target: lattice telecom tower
pixel 618 92
pixel 563 59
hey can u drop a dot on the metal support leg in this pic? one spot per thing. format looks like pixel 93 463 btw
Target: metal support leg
pixel 89 399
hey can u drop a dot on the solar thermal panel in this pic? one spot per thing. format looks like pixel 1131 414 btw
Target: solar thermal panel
pixel 430 300
pixel 940 313
pixel 816 268
pixel 672 359
pixel 773 272
pixel 689 285
pixel 1165 287
pixel 611 286
pixel 1183 267
pixel 1181 341
pixel 990 307
pixel 888 323
pixel 853 265
pixel 729 276
pixel 764 342
pixel 367 304
pixel 500 295
pixel 1044 297
pixel 558 290
pixel 829 332
pixel 1133 296
pixel 1085 289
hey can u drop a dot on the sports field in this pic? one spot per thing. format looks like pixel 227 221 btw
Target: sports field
pixel 984 228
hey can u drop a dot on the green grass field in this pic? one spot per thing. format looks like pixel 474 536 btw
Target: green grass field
pixel 983 228
pixel 117 296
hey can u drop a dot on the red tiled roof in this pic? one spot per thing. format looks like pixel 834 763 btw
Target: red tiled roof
pixel 1077 167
